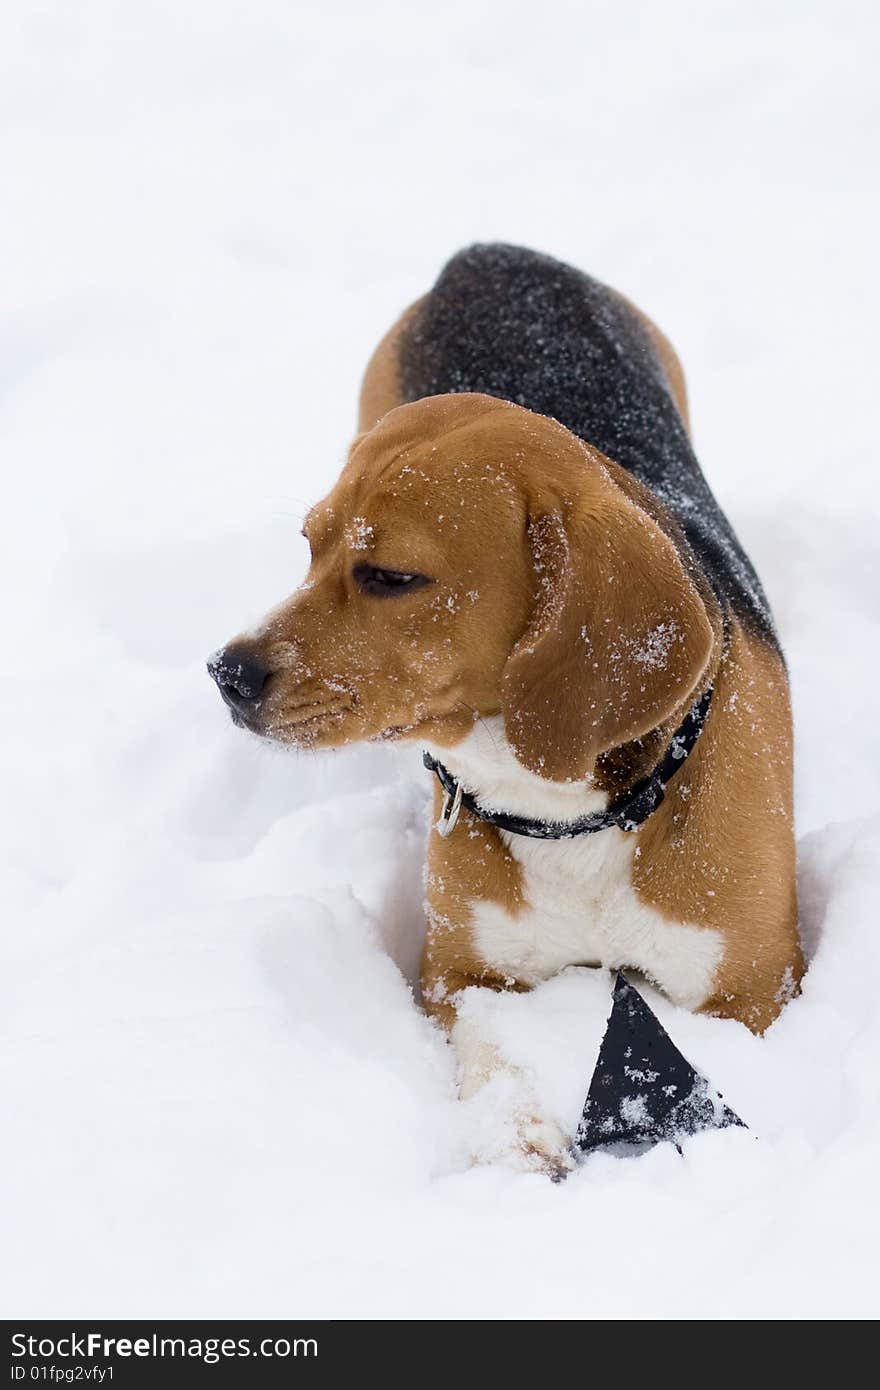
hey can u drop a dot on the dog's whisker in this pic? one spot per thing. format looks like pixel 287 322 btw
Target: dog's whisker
pixel 481 722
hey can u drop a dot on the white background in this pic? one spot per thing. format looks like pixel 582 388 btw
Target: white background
pixel 219 1096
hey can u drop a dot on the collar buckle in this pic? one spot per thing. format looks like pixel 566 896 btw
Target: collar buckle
pixel 627 813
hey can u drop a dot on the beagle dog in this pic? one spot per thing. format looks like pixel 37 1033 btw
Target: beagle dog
pixel 523 569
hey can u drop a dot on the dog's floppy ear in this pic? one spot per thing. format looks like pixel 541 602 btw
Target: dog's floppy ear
pixel 618 640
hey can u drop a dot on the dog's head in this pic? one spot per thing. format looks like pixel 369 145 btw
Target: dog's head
pixel 475 559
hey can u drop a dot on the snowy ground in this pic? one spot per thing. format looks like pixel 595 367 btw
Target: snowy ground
pixel 220 1098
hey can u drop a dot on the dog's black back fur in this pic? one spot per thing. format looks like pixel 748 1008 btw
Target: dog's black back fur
pixel 521 326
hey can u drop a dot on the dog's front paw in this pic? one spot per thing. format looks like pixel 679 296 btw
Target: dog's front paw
pixel 543 1147
pixel 507 1126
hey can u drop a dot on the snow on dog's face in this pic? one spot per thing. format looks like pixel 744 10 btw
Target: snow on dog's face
pixel 418 587
pixel 475 559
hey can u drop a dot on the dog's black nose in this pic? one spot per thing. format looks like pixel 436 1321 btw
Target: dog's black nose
pixel 239 673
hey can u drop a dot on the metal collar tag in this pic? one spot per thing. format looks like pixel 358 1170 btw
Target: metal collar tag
pixel 449 812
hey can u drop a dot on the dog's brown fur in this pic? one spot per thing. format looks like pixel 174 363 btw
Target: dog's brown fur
pixel 420 491
pixel 550 565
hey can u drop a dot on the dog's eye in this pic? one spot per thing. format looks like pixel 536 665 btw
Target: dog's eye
pixel 382 583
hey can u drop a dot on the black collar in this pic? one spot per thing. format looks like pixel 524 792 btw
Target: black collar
pixel 628 812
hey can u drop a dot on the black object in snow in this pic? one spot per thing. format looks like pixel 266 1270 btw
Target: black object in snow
pixel 643 1091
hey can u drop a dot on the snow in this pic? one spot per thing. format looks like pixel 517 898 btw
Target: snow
pixel 220 1097
pixel 361 534
pixel 654 651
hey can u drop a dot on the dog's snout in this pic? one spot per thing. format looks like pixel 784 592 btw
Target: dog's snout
pixel 240 674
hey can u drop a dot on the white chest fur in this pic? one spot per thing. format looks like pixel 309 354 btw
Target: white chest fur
pixel 581 908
